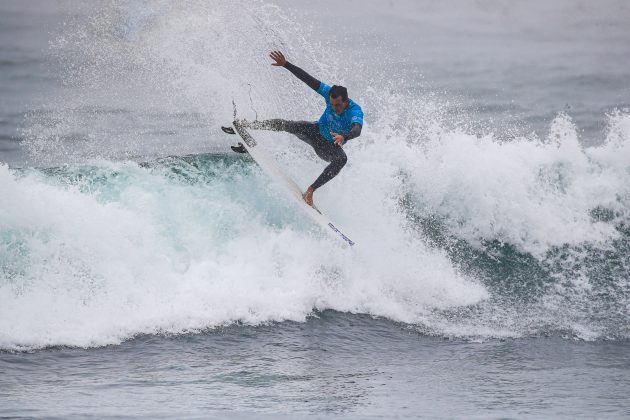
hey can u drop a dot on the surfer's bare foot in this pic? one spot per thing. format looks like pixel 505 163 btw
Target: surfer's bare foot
pixel 308 196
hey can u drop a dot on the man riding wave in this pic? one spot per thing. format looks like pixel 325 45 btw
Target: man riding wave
pixel 341 121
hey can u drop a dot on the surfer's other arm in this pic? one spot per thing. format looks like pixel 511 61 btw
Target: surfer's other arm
pixel 280 61
pixel 354 132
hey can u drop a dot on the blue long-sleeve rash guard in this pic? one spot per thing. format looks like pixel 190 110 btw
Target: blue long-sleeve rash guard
pixel 348 123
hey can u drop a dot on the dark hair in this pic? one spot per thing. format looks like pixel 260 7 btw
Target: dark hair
pixel 336 91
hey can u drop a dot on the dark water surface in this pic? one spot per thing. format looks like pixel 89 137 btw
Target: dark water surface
pixel 335 365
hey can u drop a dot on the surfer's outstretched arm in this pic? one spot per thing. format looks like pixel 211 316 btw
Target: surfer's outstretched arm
pixel 280 61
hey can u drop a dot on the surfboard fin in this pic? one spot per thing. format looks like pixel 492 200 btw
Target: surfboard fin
pixel 239 149
pixel 228 130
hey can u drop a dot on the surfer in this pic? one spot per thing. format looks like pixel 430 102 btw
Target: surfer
pixel 341 121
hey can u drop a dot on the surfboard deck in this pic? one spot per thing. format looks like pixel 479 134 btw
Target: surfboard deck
pixel 271 168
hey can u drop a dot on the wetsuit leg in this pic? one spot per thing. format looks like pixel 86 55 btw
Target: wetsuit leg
pixel 332 153
pixel 305 130
pixel 308 132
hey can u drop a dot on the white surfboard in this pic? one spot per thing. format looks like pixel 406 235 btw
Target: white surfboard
pixel 269 165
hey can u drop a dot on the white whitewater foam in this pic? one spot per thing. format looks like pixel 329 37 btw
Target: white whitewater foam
pixel 144 254
pixel 531 193
pixel 140 251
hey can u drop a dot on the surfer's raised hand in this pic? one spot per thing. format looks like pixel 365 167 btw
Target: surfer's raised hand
pixel 279 59
pixel 338 138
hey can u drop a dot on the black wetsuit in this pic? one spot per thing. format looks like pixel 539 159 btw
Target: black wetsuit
pixel 309 133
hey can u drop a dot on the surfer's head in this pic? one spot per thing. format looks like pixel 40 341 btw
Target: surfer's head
pixel 338 98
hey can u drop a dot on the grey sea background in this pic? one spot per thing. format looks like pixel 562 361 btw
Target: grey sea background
pixel 147 271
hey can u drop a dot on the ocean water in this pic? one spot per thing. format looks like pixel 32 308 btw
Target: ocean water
pixel 148 271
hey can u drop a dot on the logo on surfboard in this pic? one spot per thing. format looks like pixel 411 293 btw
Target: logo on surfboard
pixel 345 238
